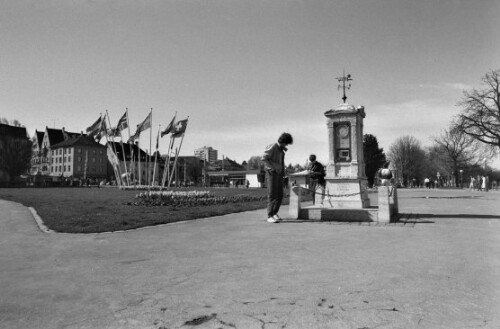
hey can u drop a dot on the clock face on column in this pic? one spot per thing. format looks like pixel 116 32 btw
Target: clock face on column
pixel 343 131
pixel 343 137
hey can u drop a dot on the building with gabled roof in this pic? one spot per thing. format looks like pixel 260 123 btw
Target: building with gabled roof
pixel 79 157
pixel 42 145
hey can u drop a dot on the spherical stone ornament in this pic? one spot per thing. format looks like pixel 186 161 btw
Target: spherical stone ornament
pixel 385 173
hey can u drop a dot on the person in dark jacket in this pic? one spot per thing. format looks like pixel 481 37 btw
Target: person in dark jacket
pixel 317 175
pixel 274 161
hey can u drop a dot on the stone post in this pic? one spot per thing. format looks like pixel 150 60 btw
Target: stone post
pixel 393 201
pixel 294 206
pixel 384 206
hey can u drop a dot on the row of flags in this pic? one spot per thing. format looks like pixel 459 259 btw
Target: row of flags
pixel 176 128
pixel 99 128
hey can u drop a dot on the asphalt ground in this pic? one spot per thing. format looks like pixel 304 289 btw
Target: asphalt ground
pixel 439 267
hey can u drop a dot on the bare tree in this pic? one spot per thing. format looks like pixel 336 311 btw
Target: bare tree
pixel 480 117
pixel 16 123
pixel 408 158
pixel 254 162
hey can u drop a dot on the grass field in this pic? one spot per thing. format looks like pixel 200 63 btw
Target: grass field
pixel 92 210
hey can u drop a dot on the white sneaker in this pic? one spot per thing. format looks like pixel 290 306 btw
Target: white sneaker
pixel 272 220
pixel 277 217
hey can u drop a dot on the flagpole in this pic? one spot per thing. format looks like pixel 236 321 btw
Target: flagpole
pixel 116 168
pixel 178 150
pixel 175 161
pixel 124 160
pixel 150 148
pixel 166 170
pixel 127 176
pixel 107 146
pixel 139 164
pixel 131 149
pixel 156 153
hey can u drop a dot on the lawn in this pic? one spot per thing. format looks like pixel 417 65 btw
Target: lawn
pixel 92 210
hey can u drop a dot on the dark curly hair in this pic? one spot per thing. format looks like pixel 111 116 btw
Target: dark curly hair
pixel 285 138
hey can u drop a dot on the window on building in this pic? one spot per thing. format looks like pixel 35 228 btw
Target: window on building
pixel 69 159
pixel 69 168
pixel 79 159
pixel 79 168
pixel 79 150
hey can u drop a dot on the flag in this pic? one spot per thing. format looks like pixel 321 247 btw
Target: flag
pixel 179 128
pixel 133 137
pixel 112 157
pixel 146 124
pixel 113 132
pixel 103 130
pixel 169 127
pixel 158 140
pixel 123 122
pixel 95 128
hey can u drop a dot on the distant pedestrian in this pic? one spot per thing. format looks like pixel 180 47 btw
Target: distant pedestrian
pixel 427 183
pixel 274 161
pixel 483 183
pixel 317 174
pixel 472 183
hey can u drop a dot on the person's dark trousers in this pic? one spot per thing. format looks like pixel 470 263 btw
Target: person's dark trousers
pixel 312 186
pixel 275 193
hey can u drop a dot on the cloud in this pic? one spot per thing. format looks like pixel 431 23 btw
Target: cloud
pixel 446 86
pixel 422 119
pixel 458 86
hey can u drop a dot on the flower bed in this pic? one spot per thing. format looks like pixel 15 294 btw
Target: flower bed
pixel 142 188
pixel 190 198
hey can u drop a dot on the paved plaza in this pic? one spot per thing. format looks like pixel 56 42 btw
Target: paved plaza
pixel 437 268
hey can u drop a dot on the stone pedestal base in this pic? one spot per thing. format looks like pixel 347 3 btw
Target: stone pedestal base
pixel 347 193
pixel 386 211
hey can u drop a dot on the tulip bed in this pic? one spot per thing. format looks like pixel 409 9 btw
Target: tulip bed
pixel 191 198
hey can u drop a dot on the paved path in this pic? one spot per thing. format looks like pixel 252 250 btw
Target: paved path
pixel 439 270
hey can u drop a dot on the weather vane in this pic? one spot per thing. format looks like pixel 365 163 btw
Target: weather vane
pixel 346 84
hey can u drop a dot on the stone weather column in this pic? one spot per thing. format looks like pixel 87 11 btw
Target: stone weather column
pixel 345 174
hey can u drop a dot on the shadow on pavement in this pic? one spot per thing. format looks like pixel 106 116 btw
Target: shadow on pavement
pixel 470 216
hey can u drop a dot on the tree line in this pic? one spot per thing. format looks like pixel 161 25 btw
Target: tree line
pixel 463 149
pixel 460 151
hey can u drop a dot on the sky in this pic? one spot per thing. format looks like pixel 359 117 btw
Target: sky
pixel 245 71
